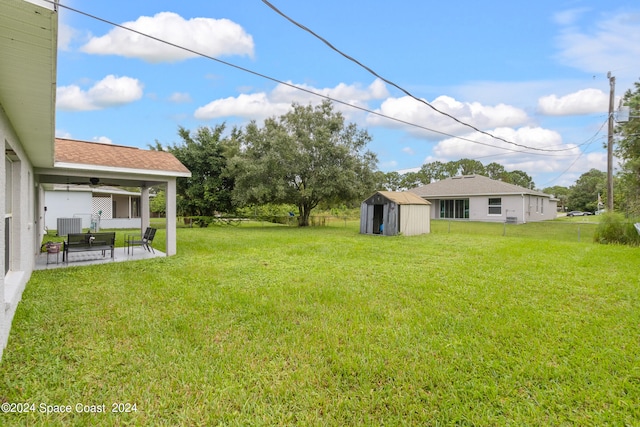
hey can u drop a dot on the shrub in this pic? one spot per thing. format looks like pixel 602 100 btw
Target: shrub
pixel 614 228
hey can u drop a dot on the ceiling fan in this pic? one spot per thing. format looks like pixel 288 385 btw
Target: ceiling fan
pixel 94 182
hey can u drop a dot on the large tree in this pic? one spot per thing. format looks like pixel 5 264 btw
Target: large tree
pixel 305 157
pixel 628 151
pixel 205 153
pixel 520 178
pixel 584 194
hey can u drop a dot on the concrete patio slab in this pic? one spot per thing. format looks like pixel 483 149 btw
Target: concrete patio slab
pixel 78 259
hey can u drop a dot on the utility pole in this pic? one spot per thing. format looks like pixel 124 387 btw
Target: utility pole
pixel 612 85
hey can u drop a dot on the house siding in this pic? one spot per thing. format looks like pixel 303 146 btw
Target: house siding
pixel 526 208
pixel 20 210
pixel 82 204
pixel 67 204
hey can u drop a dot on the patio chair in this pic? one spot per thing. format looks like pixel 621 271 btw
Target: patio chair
pixel 146 241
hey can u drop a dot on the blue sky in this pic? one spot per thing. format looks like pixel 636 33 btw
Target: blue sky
pixel 534 74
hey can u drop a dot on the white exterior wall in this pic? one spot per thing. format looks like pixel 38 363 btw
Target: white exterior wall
pixel 67 204
pixel 81 204
pixel 120 223
pixel 23 228
pixel 526 208
pixel 512 206
pixel 540 208
pixel 523 207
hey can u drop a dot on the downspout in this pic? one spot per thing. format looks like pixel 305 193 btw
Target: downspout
pixel 524 221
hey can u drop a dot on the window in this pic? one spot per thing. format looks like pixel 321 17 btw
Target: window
pixel 8 213
pixel 454 209
pixel 495 206
pixel 542 206
pixel 135 207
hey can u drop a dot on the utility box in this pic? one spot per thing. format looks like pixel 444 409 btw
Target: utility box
pixel 69 225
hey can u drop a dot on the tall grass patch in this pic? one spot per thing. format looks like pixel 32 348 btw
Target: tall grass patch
pixel 615 228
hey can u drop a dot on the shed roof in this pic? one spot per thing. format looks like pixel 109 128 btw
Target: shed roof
pixel 471 185
pixel 116 156
pixel 401 198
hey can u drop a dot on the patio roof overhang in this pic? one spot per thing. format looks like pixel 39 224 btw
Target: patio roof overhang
pixel 113 177
pixel 83 162
pixel 28 74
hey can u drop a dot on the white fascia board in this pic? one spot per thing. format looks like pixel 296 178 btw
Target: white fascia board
pixel 44 4
pixel 78 166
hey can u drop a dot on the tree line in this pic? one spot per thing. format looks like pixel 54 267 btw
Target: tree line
pixel 310 157
pixel 436 171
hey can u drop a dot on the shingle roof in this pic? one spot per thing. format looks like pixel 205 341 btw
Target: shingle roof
pixel 471 185
pixel 402 198
pixel 116 156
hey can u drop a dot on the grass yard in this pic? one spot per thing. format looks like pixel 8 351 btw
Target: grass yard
pixel 269 325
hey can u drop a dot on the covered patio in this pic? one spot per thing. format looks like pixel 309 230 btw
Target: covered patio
pixel 96 164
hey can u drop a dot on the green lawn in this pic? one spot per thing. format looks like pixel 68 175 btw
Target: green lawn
pixel 273 325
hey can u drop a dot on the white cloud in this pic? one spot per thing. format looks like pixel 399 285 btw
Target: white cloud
pixel 412 111
pixel 352 94
pixel 180 98
pixel 102 140
pixel 391 164
pixel 613 43
pixel 569 16
pixel 212 37
pixel 586 101
pixel 485 146
pixel 255 106
pixel 277 102
pixel 61 133
pixel 109 92
pixel 409 151
pixel 556 167
pixel 65 35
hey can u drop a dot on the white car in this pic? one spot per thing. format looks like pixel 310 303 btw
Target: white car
pixel 578 213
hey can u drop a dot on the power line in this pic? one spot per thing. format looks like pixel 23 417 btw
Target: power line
pixel 352 59
pixel 586 143
pixel 338 101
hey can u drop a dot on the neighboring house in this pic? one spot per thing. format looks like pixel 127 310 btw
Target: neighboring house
pixel 389 213
pixel 114 207
pixel 478 198
pixel 28 55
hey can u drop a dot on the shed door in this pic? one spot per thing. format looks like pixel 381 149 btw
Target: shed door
pixel 378 218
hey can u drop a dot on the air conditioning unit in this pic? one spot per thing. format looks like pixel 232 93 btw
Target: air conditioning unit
pixel 69 225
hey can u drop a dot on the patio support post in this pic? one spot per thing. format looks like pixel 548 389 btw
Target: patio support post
pixel 144 209
pixel 171 217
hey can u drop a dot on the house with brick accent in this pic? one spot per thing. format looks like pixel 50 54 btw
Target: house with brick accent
pixel 35 159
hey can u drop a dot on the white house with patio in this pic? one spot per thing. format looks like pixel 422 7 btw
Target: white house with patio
pixel 34 158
